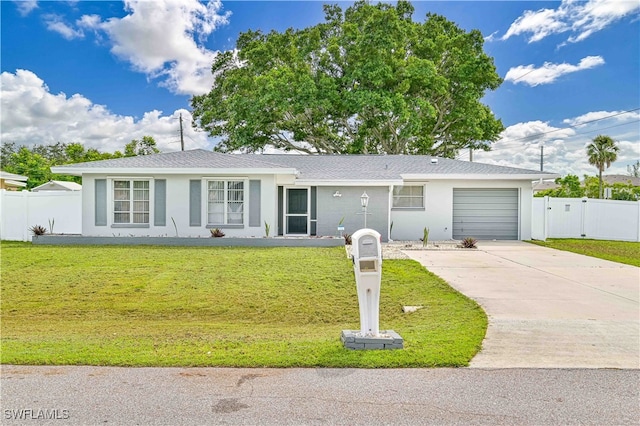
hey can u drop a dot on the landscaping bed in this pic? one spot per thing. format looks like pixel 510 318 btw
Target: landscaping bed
pixel 220 306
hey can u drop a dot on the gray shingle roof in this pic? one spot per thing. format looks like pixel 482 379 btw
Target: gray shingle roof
pixel 309 167
pixel 384 167
pixel 197 159
pixel 611 179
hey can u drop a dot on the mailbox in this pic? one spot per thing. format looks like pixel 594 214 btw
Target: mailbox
pixel 367 266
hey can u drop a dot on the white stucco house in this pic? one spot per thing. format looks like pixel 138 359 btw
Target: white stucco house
pixel 303 195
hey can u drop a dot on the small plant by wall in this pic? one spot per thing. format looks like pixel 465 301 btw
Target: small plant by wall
pixel 469 242
pixel 38 230
pixel 425 237
pixel 217 233
pixel 267 229
pixel 175 226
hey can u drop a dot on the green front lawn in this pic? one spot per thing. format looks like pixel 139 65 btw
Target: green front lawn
pixel 616 251
pixel 241 307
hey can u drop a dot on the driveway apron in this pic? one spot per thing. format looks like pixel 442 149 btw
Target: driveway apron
pixel 547 308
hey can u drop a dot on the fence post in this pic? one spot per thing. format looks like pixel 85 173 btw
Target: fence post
pixel 583 218
pixel 638 236
pixel 25 228
pixel 2 214
pixel 545 219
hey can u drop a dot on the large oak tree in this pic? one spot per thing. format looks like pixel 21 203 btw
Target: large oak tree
pixel 367 80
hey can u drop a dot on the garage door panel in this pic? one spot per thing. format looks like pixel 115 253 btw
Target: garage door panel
pixel 485 213
pixel 473 209
pixel 488 220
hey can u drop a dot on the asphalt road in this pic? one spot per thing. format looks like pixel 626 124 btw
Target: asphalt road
pixel 208 396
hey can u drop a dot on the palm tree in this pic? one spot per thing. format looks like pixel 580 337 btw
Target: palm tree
pixel 602 151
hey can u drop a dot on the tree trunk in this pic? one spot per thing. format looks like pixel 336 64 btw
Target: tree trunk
pixel 600 183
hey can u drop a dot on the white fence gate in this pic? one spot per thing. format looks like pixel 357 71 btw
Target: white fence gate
pixel 21 210
pixel 585 218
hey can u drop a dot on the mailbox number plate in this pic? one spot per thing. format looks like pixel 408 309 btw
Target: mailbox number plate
pixel 367 266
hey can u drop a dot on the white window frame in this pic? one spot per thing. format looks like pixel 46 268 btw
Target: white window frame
pixel 422 197
pixel 111 200
pixel 245 201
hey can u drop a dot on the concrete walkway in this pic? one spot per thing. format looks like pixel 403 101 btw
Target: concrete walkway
pixel 547 308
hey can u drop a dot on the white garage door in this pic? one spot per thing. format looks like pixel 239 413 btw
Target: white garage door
pixel 485 214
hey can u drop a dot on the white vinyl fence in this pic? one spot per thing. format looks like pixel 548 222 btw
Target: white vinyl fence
pixel 585 218
pixel 21 210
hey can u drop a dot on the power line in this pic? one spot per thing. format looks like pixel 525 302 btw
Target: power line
pixel 527 73
pixel 568 137
pixel 575 125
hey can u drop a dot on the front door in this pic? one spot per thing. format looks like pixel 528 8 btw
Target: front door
pixel 297 211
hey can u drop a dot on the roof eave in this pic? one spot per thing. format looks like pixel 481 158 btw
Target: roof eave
pixel 132 171
pixel 464 176
pixel 349 182
pixel 11 182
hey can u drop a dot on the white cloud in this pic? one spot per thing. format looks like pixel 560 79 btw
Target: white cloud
pixel 491 37
pixel 564 148
pixel 163 39
pixel 25 6
pixel 540 24
pixel 30 114
pixel 595 15
pixel 56 24
pixel 608 116
pixel 581 19
pixel 549 72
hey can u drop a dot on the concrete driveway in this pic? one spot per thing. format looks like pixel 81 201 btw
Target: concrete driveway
pixel 547 308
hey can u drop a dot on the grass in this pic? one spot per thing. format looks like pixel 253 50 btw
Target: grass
pixel 236 307
pixel 616 251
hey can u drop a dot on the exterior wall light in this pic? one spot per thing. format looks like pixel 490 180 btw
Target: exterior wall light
pixel 364 201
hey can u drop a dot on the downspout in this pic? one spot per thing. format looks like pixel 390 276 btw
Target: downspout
pixel 390 204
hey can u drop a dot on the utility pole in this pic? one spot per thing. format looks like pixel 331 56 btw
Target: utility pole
pixel 181 134
pixel 471 155
pixel 541 158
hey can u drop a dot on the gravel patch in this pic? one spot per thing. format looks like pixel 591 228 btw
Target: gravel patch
pixel 394 249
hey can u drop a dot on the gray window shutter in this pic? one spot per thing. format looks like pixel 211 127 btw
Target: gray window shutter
pixel 254 203
pixel 280 210
pixel 314 210
pixel 195 203
pixel 160 203
pixel 101 202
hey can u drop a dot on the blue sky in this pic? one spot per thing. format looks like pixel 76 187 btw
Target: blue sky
pixel 105 72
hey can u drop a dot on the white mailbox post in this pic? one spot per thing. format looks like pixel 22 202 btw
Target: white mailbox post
pixel 366 250
pixel 367 266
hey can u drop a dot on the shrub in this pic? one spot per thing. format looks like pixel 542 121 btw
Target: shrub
pixel 38 230
pixel 347 239
pixel 469 242
pixel 217 233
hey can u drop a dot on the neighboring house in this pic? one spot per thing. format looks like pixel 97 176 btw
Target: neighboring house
pixel 58 185
pixel 303 195
pixel 12 182
pixel 624 179
pixel 543 185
